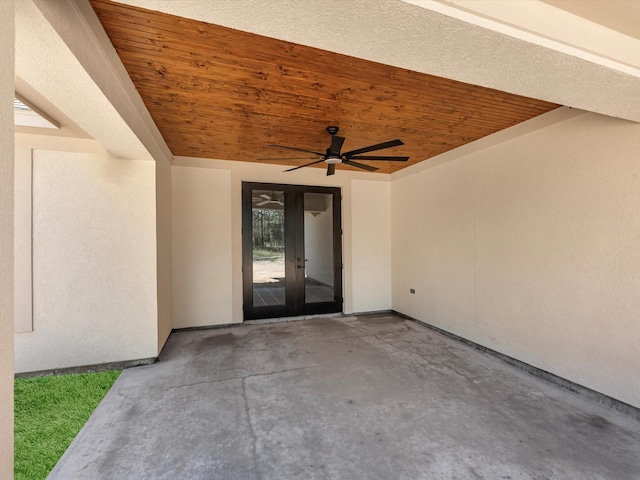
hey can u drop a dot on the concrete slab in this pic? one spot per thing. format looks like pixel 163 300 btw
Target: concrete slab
pixel 371 397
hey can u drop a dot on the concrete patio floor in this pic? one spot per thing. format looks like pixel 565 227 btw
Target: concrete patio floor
pixel 370 397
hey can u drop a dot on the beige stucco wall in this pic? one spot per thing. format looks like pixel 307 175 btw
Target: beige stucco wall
pixel 23 306
pixel 371 255
pixel 72 63
pixel 6 237
pixel 164 250
pixel 94 262
pixel 202 266
pixel 207 237
pixel 530 247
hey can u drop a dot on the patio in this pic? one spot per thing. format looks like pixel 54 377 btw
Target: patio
pixel 356 397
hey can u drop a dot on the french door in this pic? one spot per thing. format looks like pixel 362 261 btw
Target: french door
pixel 291 250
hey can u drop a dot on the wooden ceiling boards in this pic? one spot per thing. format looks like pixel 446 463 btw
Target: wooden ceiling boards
pixel 220 93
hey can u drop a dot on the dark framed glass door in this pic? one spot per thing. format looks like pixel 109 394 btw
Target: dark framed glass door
pixel 291 250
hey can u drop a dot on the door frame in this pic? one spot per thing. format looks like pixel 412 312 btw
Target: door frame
pixel 294 252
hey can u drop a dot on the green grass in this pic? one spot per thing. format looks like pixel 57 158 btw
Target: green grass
pixel 49 413
pixel 272 255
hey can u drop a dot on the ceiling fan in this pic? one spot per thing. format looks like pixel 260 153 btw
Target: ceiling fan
pixel 265 199
pixel 333 156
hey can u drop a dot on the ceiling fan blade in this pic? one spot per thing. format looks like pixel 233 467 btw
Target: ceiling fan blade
pixel 285 158
pixel 297 149
pixel 262 203
pixel 380 157
pixel 336 144
pixel 331 169
pixel 360 165
pixel 265 196
pixel 378 146
pixel 305 165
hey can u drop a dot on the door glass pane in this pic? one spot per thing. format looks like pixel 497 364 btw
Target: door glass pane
pixel 267 210
pixel 318 247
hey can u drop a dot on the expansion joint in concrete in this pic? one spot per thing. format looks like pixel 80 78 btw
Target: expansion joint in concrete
pixel 254 437
pixel 238 377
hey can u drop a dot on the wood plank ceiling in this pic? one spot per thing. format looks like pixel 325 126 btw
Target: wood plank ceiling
pixel 220 93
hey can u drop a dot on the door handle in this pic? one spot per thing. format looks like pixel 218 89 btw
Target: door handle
pixel 300 266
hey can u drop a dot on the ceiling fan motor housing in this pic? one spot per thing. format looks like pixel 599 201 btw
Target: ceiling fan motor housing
pixel 334 155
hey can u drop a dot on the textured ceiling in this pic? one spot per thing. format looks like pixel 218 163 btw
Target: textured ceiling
pixel 220 93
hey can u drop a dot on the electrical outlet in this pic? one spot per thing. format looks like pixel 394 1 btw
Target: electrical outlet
pixel 413 290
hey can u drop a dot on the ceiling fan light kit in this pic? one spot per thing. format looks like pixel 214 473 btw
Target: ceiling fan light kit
pixel 333 157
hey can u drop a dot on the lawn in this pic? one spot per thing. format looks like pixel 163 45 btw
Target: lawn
pixel 271 255
pixel 49 413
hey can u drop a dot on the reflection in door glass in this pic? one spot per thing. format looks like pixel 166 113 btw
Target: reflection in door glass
pixel 318 247
pixel 268 247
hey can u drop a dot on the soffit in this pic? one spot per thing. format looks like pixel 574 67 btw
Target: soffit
pixel 67 128
pixel 215 92
pixel 50 75
pixel 620 15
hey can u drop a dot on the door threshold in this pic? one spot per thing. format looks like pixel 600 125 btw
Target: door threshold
pixel 292 319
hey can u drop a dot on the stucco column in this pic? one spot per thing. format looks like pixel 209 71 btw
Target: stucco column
pixel 7 53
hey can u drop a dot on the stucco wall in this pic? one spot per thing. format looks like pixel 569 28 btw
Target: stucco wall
pixel 23 307
pixel 208 199
pixel 371 257
pixel 201 247
pixel 530 247
pixel 94 262
pixel 6 237
pixel 164 250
